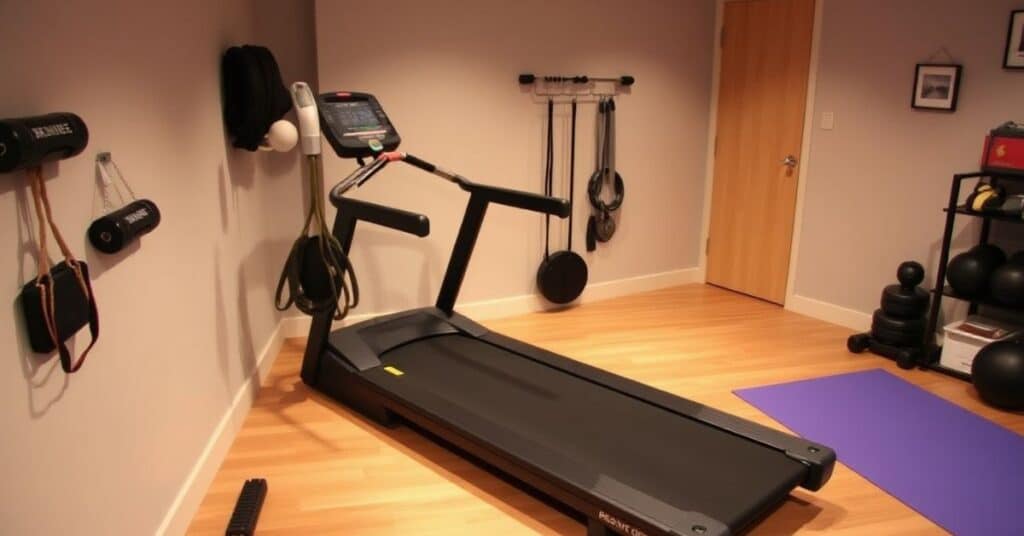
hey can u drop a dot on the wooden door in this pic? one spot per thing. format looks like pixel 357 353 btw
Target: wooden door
pixel 766 48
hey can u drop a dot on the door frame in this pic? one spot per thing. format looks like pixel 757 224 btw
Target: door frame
pixel 805 145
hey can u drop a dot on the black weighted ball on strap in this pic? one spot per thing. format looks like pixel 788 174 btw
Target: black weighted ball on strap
pixel 562 276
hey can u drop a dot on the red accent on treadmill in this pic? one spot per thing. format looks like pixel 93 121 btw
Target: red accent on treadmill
pixel 342 94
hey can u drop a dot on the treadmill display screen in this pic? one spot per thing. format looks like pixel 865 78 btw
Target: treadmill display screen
pixel 354 116
pixel 355 124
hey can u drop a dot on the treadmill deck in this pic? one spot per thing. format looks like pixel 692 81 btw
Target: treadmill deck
pixel 648 459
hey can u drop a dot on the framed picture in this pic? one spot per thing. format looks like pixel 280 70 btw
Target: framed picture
pixel 1014 58
pixel 936 87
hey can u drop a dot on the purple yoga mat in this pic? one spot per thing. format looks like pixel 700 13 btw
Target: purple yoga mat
pixel 955 468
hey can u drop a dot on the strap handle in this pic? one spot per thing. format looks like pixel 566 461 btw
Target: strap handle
pixel 108 168
pixel 44 279
pixel 609 139
pixel 549 174
pixel 572 172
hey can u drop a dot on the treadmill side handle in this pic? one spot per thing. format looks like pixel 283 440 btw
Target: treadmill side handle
pixel 393 218
pixel 518 199
pixel 492 194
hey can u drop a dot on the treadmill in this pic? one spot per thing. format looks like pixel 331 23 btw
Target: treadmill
pixel 629 458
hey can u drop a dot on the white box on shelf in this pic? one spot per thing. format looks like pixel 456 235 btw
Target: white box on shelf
pixel 964 338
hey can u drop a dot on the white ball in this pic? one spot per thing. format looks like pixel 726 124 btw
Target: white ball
pixel 282 136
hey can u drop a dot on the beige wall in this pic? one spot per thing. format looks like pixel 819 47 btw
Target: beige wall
pixel 446 71
pixel 877 182
pixel 105 451
pixel 185 315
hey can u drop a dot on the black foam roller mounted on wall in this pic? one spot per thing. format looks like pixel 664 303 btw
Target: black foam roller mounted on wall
pixel 29 141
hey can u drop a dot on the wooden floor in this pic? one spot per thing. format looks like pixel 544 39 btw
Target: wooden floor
pixel 332 472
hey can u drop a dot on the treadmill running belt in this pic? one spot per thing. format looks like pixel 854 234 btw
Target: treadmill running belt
pixel 687 464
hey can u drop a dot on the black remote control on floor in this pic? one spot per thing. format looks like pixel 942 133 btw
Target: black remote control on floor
pixel 247 509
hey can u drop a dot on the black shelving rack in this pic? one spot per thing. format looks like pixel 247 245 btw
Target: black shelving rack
pixel 929 357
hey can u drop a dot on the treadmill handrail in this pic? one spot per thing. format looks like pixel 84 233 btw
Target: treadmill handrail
pixel 518 199
pixel 553 206
pixel 480 196
pixel 385 216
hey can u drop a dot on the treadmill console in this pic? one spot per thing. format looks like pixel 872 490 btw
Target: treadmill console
pixel 355 124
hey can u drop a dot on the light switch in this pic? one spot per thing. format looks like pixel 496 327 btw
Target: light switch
pixel 828 120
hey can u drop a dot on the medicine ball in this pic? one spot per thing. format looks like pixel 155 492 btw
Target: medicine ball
pixel 998 374
pixel 968 273
pixel 1007 282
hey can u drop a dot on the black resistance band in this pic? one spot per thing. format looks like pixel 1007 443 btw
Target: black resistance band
pixel 549 174
pixel 572 172
pixel 318 273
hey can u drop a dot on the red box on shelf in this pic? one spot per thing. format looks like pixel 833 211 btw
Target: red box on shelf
pixel 1004 150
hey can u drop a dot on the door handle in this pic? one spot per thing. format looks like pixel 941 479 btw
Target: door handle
pixel 790 161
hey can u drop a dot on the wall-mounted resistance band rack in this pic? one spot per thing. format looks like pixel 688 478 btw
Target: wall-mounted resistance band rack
pixel 580 87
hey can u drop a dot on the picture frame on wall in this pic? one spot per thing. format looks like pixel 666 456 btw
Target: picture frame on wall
pixel 1014 57
pixel 936 86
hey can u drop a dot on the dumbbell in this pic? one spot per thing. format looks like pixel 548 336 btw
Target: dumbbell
pixel 897 328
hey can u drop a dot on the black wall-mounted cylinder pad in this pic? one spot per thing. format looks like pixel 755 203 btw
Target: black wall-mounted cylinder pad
pixel 112 232
pixel 30 141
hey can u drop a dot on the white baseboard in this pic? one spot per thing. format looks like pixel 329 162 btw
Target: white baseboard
pixel 829 312
pixel 298 326
pixel 530 303
pixel 643 283
pixel 191 494
pixel 187 502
